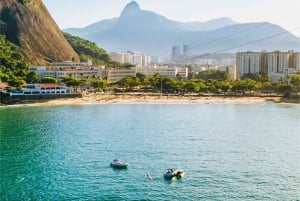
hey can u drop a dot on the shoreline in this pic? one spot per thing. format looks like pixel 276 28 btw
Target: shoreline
pixel 98 98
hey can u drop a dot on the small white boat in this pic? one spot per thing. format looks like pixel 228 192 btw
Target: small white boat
pixel 119 164
pixel 170 173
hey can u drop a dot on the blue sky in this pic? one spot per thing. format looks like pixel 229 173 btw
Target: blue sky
pixel 80 13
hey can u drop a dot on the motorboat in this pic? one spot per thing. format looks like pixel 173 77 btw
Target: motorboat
pixel 119 164
pixel 171 173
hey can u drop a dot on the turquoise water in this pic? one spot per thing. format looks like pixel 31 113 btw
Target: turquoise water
pixel 228 152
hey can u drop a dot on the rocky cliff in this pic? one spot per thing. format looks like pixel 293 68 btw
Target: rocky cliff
pixel 28 24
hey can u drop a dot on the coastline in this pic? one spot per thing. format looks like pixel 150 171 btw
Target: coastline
pixel 101 98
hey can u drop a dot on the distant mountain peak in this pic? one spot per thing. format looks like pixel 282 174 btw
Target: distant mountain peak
pixel 131 8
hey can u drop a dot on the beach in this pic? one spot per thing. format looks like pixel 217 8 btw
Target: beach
pixel 105 98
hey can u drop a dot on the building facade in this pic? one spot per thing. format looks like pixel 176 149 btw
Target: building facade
pixel 131 57
pixel 248 62
pixel 112 75
pixel 276 63
pixel 175 52
pixel 187 51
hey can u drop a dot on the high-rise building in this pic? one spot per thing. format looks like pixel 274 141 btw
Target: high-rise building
pixel 187 51
pixel 175 52
pixel 278 61
pixel 122 57
pixel 297 61
pixel 248 62
pixel 135 58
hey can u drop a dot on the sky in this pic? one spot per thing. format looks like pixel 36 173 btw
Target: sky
pixel 80 13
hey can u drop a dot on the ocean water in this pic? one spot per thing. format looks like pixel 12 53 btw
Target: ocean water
pixel 228 152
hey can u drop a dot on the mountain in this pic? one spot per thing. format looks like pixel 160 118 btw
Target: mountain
pixel 154 34
pixel 28 24
pixel 207 26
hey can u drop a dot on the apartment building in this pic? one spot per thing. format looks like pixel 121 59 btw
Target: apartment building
pixel 248 62
pixel 275 63
pixel 279 61
pixel 132 57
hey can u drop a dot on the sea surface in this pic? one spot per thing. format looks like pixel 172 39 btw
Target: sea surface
pixel 228 152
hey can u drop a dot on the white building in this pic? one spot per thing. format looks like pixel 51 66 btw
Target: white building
pixel 297 61
pixel 57 72
pixel 122 57
pixel 248 62
pixel 278 61
pixel 71 63
pixel 35 89
pixel 230 70
pixel 115 75
pixel 170 72
pixel 132 57
pixel 277 64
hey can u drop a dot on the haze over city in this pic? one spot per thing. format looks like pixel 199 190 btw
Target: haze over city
pixel 84 12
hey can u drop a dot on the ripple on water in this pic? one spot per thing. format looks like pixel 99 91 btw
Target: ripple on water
pixel 228 152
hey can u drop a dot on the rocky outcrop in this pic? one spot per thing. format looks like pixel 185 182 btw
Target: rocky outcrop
pixel 28 24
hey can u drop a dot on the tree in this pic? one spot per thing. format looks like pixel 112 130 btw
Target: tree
pixel 72 81
pixel 191 87
pixel 129 82
pixel 32 77
pixel 48 80
pixel 284 89
pixel 171 85
pixel 16 82
pixel 225 86
pixel 295 81
pixel 99 84
pixel 212 74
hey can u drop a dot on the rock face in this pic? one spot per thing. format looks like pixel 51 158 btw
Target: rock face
pixel 28 24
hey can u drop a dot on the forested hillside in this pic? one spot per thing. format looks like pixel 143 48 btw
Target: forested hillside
pixel 88 50
pixel 13 67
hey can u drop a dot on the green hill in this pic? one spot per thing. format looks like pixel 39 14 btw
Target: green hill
pixel 90 51
pixel 13 67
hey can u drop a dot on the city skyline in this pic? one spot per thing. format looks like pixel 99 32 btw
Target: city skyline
pixel 90 11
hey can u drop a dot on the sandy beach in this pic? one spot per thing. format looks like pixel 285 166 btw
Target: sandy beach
pixel 100 98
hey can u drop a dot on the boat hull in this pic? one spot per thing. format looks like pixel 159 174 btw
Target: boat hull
pixel 119 166
pixel 173 174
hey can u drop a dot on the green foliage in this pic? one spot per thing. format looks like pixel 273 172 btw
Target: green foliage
pixel 285 89
pixel 13 67
pixel 191 86
pixel 212 74
pixel 72 81
pixel 32 77
pixel 48 80
pixel 259 77
pixel 99 84
pixel 88 50
pixel 129 82
pixel 16 82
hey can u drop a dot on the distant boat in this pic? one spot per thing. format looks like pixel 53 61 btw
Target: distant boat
pixel 170 173
pixel 119 164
